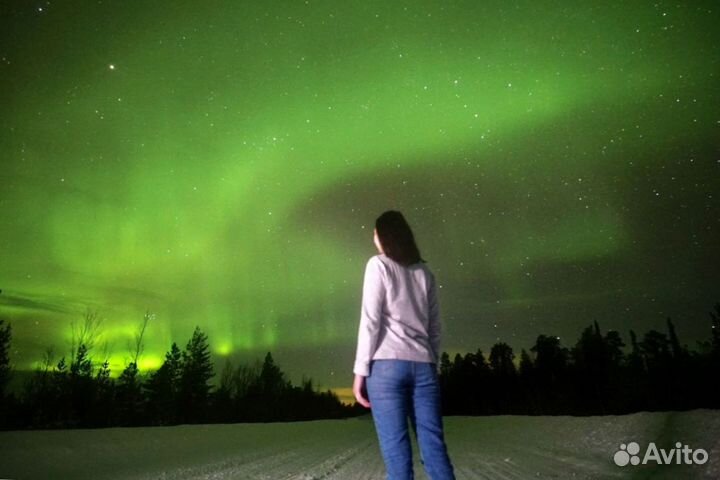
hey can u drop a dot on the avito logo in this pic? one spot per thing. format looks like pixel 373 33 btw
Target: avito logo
pixel 681 454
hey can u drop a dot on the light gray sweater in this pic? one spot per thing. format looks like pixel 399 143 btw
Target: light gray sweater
pixel 399 318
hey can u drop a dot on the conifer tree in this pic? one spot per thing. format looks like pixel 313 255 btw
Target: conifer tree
pixel 197 370
pixel 677 351
pixel 550 356
pixel 221 400
pixel 81 385
pixel 61 393
pixel 715 341
pixel 271 378
pixel 613 345
pixel 129 395
pixel 104 396
pixel 501 359
pixel 5 336
pixel 445 364
pixel 103 374
pixel 163 387
pixel 636 361
pixel 81 366
pixel 526 364
pixel 655 347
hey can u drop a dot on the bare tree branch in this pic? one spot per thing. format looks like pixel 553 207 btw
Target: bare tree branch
pixel 137 349
pixel 85 334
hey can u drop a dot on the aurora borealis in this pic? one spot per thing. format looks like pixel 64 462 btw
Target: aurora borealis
pixel 221 164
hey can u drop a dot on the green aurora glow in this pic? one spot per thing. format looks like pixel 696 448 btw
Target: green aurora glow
pixel 221 164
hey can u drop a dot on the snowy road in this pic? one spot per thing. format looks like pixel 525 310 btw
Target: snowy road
pixel 503 447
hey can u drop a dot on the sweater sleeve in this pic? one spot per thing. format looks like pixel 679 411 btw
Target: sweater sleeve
pixel 370 316
pixel 434 317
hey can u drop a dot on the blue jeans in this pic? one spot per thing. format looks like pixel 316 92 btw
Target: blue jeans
pixel 402 389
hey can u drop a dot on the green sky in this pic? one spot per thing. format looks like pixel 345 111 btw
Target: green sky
pixel 222 164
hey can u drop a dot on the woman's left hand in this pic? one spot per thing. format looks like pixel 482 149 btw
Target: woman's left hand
pixel 360 391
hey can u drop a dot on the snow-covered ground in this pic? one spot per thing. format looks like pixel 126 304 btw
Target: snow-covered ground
pixel 502 447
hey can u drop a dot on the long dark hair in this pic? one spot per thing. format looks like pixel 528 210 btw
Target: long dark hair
pixel 397 239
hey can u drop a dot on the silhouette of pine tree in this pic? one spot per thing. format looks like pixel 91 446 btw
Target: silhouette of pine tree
pixel 197 370
pixel 103 373
pixel 677 351
pixel 476 378
pixel 636 377
pixel 445 364
pixel 5 337
pixel 81 387
pixel 551 360
pixel 614 346
pixel 246 383
pixel 61 396
pixel 682 377
pixel 445 393
pixel 7 400
pixel 221 400
pixel 163 388
pixel 104 402
pixel 616 383
pixel 636 361
pixel 501 359
pixel 272 379
pixel 502 381
pixel 715 341
pixel 551 357
pixel 712 367
pixel 466 379
pixel 129 399
pixel 272 386
pixel 655 348
pixel 526 373
pixel 38 398
pixel 591 371
pixel 526 364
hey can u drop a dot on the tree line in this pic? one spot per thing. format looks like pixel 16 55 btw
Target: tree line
pixel 593 377
pixel 81 394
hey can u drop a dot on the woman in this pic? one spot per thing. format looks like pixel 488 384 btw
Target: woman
pixel 398 350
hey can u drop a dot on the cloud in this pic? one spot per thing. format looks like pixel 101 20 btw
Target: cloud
pixel 42 303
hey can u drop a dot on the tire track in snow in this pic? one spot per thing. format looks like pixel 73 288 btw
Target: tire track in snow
pixel 348 453
pixel 350 463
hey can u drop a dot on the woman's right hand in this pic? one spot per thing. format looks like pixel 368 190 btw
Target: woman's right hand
pixel 360 391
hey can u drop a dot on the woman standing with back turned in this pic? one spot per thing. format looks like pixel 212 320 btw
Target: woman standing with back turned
pixel 398 351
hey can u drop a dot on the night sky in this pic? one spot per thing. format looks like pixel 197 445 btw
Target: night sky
pixel 222 164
